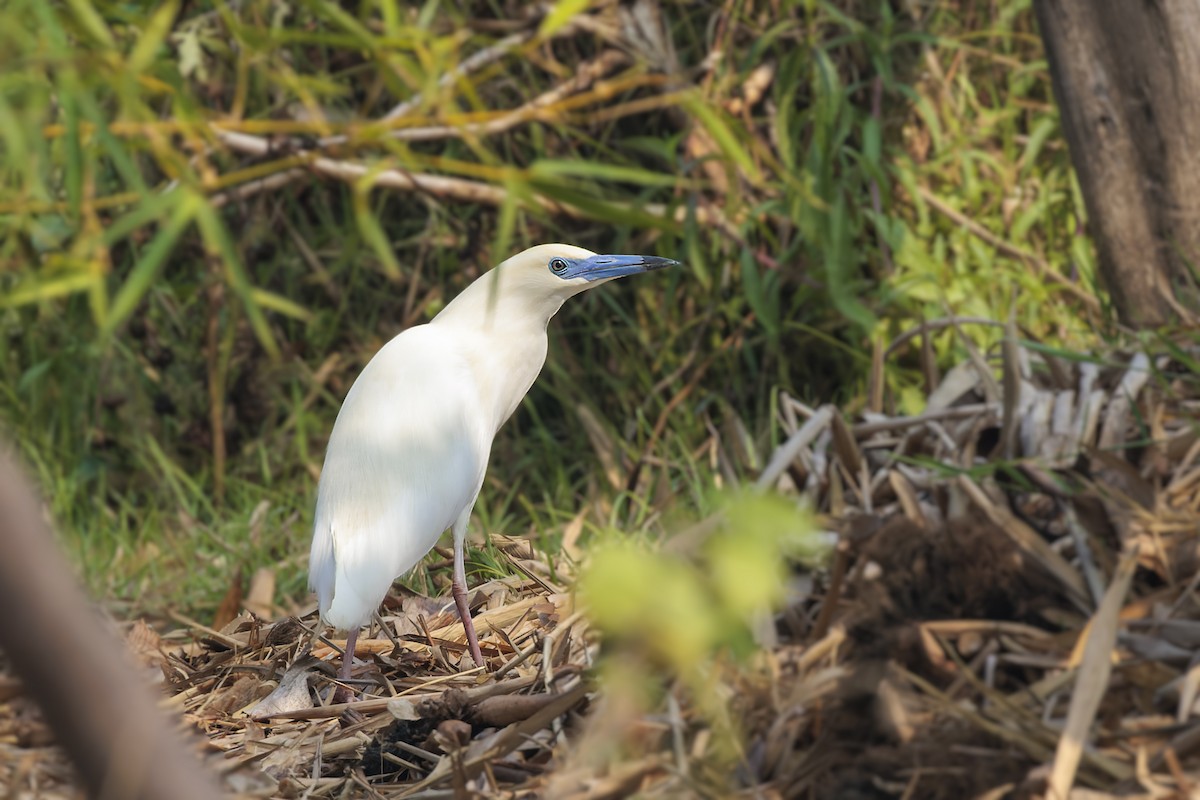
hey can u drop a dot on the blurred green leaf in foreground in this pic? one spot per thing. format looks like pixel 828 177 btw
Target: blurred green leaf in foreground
pixel 693 604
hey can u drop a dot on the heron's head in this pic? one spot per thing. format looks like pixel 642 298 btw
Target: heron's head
pixel 564 270
pixel 533 285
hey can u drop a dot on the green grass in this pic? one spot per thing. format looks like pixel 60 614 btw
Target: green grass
pixel 136 315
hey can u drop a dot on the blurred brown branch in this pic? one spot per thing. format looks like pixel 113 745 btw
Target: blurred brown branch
pixel 85 684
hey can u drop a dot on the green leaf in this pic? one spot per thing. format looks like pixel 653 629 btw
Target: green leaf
pixel 553 168
pixel 334 13
pixel 218 244
pixel 872 141
pixel 117 150
pixel 150 209
pixel 837 268
pixel 74 153
pixel 1037 139
pixel 148 267
pixel 370 228
pixel 721 133
pixel 506 224
pixel 34 374
pixel 152 37
pixel 752 287
pixel 561 14
pixel 603 210
pixel 91 22
pixel 642 595
pixel 281 305
pixel 37 290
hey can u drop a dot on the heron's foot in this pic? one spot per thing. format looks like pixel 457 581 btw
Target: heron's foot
pixel 344 694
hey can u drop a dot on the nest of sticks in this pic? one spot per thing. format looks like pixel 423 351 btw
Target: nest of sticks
pixel 1010 612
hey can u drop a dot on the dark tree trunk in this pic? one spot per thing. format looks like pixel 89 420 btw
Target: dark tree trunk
pixel 1127 79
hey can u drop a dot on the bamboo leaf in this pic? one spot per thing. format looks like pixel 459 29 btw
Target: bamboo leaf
pixel 370 229
pixel 561 14
pixel 872 141
pixel 148 268
pixel 218 244
pixel 334 13
pixel 723 135
pixel 152 38
pixel 604 210
pixel 554 168
pixel 116 150
pixel 281 305
pixel 74 154
pixel 150 209
pixel 837 268
pixel 38 290
pixel 91 22
pixel 506 224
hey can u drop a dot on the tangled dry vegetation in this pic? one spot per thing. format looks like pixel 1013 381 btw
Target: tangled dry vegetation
pixel 1010 612
pixel 1011 607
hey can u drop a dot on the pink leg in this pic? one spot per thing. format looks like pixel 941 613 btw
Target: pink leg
pixel 458 587
pixel 348 657
pixel 344 694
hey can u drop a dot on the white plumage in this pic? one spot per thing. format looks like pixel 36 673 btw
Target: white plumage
pixel 406 457
pixel 410 446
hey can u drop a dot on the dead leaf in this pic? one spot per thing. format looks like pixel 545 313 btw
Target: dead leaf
pixel 291 695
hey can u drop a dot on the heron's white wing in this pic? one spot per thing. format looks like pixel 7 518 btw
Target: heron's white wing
pixel 407 456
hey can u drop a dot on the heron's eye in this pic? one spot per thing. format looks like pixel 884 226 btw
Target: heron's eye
pixel 558 265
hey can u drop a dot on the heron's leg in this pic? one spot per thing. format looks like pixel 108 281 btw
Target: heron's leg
pixel 458 586
pixel 344 694
pixel 348 656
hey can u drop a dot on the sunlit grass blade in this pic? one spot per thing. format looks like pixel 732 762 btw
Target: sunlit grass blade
pixel 281 305
pixel 370 229
pixel 561 14
pixel 154 33
pixel 41 289
pixel 554 168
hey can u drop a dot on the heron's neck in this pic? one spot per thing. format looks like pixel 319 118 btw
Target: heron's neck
pixel 503 330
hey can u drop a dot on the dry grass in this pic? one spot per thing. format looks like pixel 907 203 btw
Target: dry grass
pixel 1017 563
pixel 989 627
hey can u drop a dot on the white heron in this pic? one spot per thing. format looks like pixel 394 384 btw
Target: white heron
pixel 410 446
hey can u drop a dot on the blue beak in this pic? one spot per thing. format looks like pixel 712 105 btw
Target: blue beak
pixel 599 267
